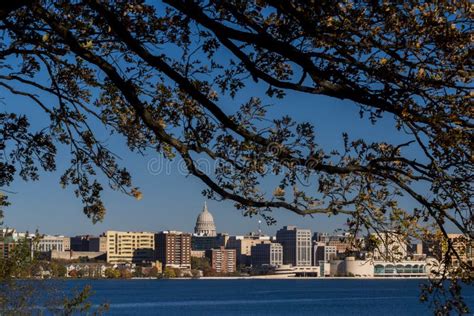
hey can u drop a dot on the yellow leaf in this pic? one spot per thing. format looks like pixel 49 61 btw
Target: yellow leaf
pixel 137 194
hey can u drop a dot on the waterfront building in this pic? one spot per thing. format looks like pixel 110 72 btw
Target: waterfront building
pixel 48 243
pixel 296 244
pixel 243 246
pixel 267 254
pixel 129 247
pixel 199 242
pixel 323 252
pixel 205 223
pixel 350 266
pixel 222 260
pixel 173 249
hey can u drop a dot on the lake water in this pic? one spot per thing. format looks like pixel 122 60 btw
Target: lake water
pixel 260 297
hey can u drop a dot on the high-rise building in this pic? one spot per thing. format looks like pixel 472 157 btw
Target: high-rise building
pixel 173 249
pixel 296 244
pixel 222 260
pixel 243 246
pixel 205 223
pixel 267 254
pixel 129 247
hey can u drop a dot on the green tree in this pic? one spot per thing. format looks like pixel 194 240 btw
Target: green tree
pixel 176 81
pixel 58 269
pixel 112 273
pixel 202 264
pixel 169 273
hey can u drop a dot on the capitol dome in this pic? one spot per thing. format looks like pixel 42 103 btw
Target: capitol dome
pixel 205 224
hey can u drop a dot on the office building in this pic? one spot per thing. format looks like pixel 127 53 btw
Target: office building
pixel 267 254
pixel 296 244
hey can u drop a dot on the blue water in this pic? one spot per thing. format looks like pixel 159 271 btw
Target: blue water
pixel 260 297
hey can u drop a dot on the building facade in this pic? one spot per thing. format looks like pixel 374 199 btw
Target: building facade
pixel 323 252
pixel 199 242
pixel 98 244
pixel 173 249
pixel 48 243
pixel 342 242
pixel 129 247
pixel 7 244
pixel 296 244
pixel 243 246
pixel 222 260
pixel 267 254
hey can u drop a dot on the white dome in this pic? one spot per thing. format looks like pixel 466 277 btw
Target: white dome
pixel 205 223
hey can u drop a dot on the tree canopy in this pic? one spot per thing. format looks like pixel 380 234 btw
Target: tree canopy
pixel 160 75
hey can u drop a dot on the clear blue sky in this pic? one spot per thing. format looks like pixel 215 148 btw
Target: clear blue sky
pixel 172 200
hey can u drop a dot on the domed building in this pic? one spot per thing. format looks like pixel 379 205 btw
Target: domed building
pixel 205 224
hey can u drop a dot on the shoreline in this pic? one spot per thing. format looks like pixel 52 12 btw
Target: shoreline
pixel 300 278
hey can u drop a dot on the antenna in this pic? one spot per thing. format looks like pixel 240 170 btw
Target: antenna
pixel 259 227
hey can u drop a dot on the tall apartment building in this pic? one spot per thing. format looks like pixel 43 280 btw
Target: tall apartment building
pixel 296 244
pixel 222 260
pixel 49 243
pixel 267 254
pixel 129 247
pixel 243 246
pixel 173 249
